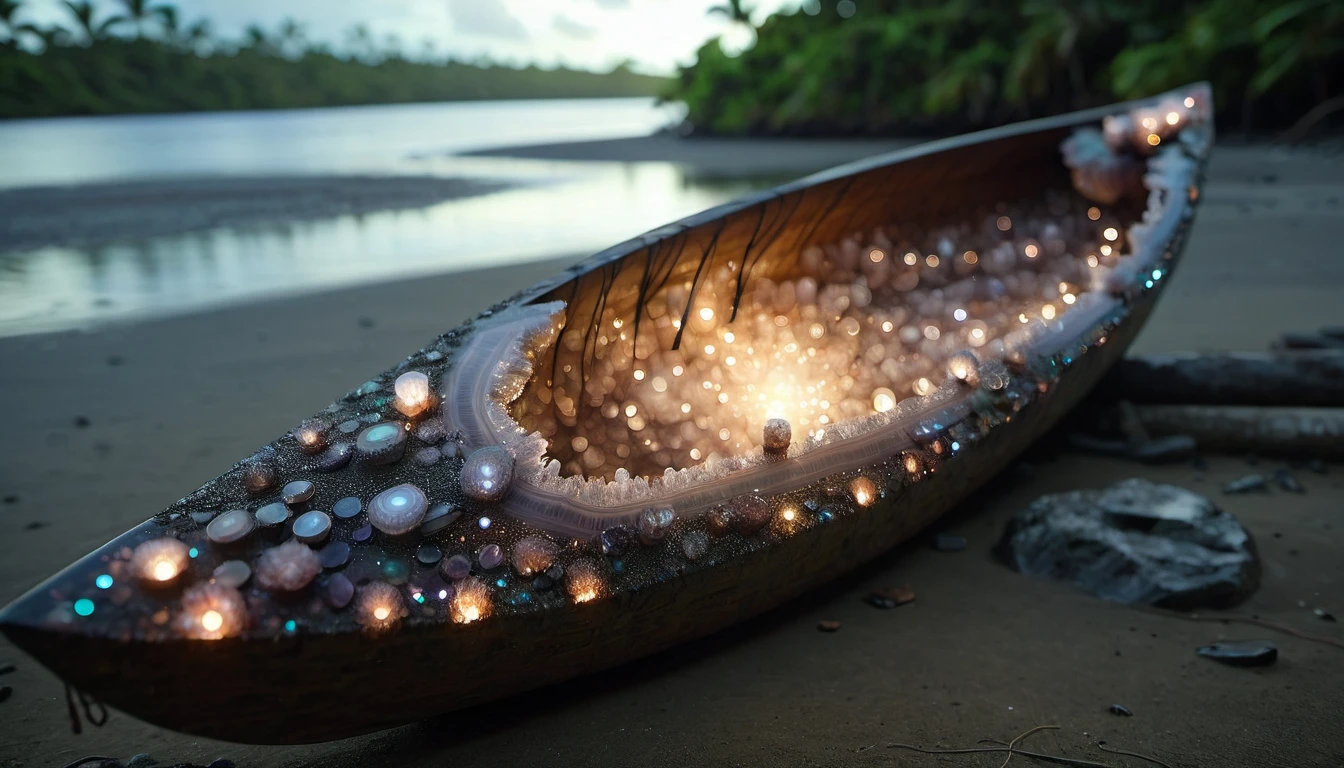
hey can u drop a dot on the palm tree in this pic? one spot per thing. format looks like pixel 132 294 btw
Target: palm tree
pixel 138 12
pixel 11 26
pixel 360 40
pixel 169 20
pixel 292 38
pixel 82 10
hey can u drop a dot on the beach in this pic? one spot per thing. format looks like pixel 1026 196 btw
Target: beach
pixel 109 424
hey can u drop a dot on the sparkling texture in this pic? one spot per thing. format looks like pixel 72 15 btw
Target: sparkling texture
pixel 487 473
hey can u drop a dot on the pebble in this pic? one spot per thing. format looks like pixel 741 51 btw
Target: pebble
pixel 439 516
pixel 362 533
pixel 616 540
pixel 259 477
pixel 456 567
pixel 428 554
pixel 1242 653
pixel 398 509
pixel 890 597
pixel 348 507
pixel 750 513
pixel 1246 484
pixel 297 491
pixel 141 760
pixel 230 527
pixel 694 545
pixel 828 626
pixel 232 573
pixel 431 432
pixel 1121 710
pixel 1288 481
pixel 1324 615
pixel 312 527
pixel 427 457
pixel 490 556
pixel 273 514
pixel 349 427
pixel 335 457
pixel 381 443
pixel 338 591
pixel 334 555
pixel 201 518
pixel 948 542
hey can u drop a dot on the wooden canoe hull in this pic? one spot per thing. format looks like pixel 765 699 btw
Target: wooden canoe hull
pixel 312 687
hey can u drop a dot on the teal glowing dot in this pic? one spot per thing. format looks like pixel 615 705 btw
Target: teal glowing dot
pixel 291 625
pixel 419 597
pixel 1157 274
pixel 84 606
pixel 501 583
pixel 956 446
pixel 1147 283
pixel 193 552
pixel 104 581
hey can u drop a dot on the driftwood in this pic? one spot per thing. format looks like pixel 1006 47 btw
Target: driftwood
pixel 1282 431
pixel 1306 378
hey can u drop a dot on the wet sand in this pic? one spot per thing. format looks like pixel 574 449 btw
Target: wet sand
pixel 35 217
pixel 982 653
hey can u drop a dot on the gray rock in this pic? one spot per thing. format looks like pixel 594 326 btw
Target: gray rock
pixel 1246 484
pixel 1242 653
pixel 1136 542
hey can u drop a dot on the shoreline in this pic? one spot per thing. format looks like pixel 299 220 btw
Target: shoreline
pixel 89 214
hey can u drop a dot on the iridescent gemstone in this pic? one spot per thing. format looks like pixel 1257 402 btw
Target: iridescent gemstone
pixel 653 525
pixel 230 527
pixel 232 573
pixel 334 555
pixel 382 443
pixel 311 436
pixel 287 568
pixel 719 521
pixel 431 432
pixel 312 527
pixel 456 567
pixel 259 477
pixel 273 514
pixel 750 514
pixel 348 507
pixel 297 491
pixel 398 509
pixel 334 458
pixel 616 540
pixel 428 554
pixel 487 473
pixel 490 556
pixel 439 516
pixel 776 435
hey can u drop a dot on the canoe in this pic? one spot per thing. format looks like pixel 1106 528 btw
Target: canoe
pixel 680 433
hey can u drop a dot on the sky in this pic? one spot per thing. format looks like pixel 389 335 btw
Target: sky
pixel 655 34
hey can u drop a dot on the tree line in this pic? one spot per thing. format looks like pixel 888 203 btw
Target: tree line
pixel 916 66
pixel 144 58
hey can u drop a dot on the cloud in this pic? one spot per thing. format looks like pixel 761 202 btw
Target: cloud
pixel 570 28
pixel 612 3
pixel 487 18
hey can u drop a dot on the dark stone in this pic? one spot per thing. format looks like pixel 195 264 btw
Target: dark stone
pixel 428 456
pixel 1200 463
pixel 542 583
pixel 1318 466
pixel 1121 710
pixel 1288 481
pixel 719 521
pixel 141 760
pixel 221 763
pixel 616 540
pixel 654 524
pixel 490 556
pixel 81 421
pixel 334 555
pixel 1242 653
pixel 362 533
pixel 1246 484
pixel 335 457
pixel 348 507
pixel 890 597
pixel 1324 615
pixel 1136 542
pixel 439 516
pixel 948 542
pixel 366 322
pixel 201 518
pixel 5 692
pixel 428 554
pixel 259 477
pixel 750 514
pixel 828 626
pixel 11 499
pixel 272 515
pixel 431 432
pixel 115 360
pixel 349 426
pixel 33 525
pixel 555 572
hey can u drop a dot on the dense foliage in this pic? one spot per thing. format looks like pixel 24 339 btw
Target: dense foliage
pixel 143 62
pixel 883 66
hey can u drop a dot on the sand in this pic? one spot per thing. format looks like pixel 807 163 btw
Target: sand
pixel 982 653
pixel 130 210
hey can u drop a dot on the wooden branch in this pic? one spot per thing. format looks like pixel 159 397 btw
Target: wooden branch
pixel 1286 431
pixel 1306 378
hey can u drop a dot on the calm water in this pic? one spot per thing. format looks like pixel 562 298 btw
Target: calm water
pixel 560 208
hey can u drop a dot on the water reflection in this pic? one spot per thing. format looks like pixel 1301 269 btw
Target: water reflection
pixel 559 208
